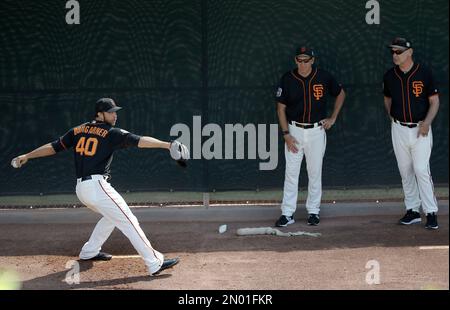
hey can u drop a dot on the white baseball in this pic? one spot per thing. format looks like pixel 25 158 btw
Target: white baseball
pixel 222 229
pixel 15 163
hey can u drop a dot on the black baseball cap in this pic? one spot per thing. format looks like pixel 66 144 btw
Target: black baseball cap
pixel 400 43
pixel 304 50
pixel 106 105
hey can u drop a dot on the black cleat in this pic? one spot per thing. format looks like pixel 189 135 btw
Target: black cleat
pixel 100 256
pixel 284 221
pixel 168 263
pixel 432 221
pixel 313 219
pixel 410 217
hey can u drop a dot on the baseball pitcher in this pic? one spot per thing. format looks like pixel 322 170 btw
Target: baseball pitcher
pixel 93 145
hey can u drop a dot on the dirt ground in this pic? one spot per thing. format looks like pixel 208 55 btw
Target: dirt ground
pixel 409 257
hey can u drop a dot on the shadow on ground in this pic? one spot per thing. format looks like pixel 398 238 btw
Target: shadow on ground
pixel 58 280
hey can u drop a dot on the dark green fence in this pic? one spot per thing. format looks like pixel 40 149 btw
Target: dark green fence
pixel 167 61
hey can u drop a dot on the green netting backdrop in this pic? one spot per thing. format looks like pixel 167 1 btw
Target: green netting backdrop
pixel 166 61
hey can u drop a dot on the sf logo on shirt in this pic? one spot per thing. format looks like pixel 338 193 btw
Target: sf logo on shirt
pixel 318 91
pixel 417 88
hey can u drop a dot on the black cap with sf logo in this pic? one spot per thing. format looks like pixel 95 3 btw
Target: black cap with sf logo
pixel 304 50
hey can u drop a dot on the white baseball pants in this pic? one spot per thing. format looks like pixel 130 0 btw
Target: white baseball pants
pixel 413 159
pixel 101 197
pixel 312 144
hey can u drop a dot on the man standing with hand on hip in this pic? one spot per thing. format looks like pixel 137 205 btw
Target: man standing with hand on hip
pixel 411 98
pixel 302 113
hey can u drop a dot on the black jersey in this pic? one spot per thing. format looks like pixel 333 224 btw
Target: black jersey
pixel 93 146
pixel 410 92
pixel 306 98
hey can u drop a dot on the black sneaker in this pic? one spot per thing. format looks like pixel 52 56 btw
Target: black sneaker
pixel 313 219
pixel 168 263
pixel 284 221
pixel 432 221
pixel 100 256
pixel 410 217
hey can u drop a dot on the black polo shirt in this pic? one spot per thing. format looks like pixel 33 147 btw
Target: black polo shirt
pixel 306 98
pixel 410 92
pixel 93 146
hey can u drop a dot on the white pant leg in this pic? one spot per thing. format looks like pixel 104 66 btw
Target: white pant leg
pixel 401 141
pixel 101 233
pixel 102 230
pixel 421 152
pixel 114 208
pixel 315 145
pixel 292 172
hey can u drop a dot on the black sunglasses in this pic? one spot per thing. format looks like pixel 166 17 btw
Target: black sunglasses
pixel 398 52
pixel 303 60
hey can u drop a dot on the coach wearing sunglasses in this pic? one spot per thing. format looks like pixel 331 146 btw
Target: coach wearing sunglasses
pixel 411 98
pixel 302 113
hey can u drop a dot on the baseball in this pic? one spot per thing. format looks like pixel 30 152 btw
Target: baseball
pixel 15 163
pixel 222 229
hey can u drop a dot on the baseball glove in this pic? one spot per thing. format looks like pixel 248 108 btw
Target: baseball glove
pixel 179 152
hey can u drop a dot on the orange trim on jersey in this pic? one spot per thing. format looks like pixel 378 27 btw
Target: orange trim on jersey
pixel 407 90
pixel 60 141
pixel 128 220
pixel 304 94
pixel 403 95
pixel 309 93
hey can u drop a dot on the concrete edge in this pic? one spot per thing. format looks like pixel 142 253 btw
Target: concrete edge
pixel 202 214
